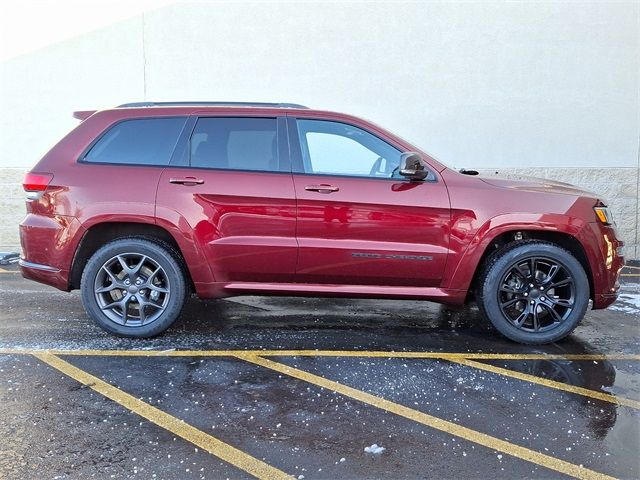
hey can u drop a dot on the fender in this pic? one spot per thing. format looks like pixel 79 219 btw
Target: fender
pixel 194 256
pixel 464 261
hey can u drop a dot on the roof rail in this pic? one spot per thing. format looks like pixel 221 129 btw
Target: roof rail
pixel 212 104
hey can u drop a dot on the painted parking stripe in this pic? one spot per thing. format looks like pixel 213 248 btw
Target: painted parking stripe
pixel 324 353
pixel 222 450
pixel 461 358
pixel 474 436
pixel 549 383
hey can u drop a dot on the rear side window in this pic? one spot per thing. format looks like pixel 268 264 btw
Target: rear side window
pixel 236 144
pixel 148 141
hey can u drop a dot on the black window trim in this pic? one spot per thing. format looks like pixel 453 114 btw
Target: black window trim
pixel 82 157
pixel 282 141
pixel 297 162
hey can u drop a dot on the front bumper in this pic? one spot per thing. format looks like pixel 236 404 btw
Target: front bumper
pixel 606 263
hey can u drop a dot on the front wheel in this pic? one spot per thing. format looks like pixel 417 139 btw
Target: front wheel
pixel 133 287
pixel 533 292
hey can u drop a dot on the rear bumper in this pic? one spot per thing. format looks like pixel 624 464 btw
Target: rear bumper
pixel 44 274
pixel 48 245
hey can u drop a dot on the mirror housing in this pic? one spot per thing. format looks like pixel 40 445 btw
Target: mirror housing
pixel 411 166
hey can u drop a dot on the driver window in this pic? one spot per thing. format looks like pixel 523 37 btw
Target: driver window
pixel 333 148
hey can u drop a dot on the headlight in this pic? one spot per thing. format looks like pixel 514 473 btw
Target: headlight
pixel 604 215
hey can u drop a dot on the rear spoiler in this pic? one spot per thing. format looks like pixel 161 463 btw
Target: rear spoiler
pixel 83 114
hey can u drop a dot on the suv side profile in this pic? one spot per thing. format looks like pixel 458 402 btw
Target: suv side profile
pixel 142 204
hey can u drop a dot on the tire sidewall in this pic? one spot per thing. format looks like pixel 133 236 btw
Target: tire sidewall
pixel 159 254
pixel 499 268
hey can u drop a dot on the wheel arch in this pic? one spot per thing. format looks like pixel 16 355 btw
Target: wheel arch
pixel 566 231
pixel 561 239
pixel 102 233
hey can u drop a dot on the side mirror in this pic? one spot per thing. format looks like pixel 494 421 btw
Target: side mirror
pixel 411 166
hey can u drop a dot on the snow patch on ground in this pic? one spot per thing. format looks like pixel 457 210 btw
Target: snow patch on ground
pixel 374 449
pixel 627 303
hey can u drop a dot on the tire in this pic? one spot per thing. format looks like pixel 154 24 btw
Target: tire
pixel 520 305
pixel 152 304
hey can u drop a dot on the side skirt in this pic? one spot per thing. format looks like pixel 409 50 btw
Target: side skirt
pixel 440 295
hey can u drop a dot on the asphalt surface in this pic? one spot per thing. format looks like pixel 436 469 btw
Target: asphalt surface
pixel 302 386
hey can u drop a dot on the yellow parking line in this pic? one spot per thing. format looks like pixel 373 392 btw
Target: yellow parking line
pixel 222 450
pixel 630 274
pixel 324 353
pixel 550 383
pixel 431 421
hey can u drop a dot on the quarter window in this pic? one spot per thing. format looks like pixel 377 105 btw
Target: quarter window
pixel 148 141
pixel 236 144
pixel 334 148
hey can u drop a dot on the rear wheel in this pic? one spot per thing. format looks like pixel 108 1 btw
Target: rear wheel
pixel 533 292
pixel 133 287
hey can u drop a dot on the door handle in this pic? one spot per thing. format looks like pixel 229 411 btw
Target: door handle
pixel 324 188
pixel 187 181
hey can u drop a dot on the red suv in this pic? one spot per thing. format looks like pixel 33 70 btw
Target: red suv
pixel 144 203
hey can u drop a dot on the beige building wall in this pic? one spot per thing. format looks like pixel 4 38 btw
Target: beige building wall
pixel 548 89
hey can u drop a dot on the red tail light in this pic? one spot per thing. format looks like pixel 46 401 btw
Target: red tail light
pixel 36 183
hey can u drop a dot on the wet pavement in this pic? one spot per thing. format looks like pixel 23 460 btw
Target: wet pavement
pixel 267 387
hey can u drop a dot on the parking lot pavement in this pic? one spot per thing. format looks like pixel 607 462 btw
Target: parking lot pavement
pixel 279 387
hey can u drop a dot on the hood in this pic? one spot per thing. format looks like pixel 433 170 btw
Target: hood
pixel 533 184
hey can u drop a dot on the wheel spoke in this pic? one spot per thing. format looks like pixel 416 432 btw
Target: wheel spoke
pixel 536 320
pixel 508 303
pixel 141 306
pixel 556 316
pixel 552 273
pixel 148 303
pixel 522 317
pixel 108 288
pixel 135 270
pixel 153 275
pixel 562 302
pixel 117 303
pixel 125 308
pixel 509 289
pixel 113 278
pixel 123 264
pixel 157 288
pixel 532 267
pixel 561 283
pixel 520 271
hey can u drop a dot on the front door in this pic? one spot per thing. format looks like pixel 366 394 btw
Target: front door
pixel 359 221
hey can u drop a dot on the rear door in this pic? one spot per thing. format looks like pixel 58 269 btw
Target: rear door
pixel 231 189
pixel 359 221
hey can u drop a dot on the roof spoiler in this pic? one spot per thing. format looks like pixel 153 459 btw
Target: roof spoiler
pixel 83 114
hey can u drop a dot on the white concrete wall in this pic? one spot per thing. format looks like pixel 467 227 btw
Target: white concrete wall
pixel 488 85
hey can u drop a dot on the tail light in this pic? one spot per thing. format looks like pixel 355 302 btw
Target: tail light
pixel 36 183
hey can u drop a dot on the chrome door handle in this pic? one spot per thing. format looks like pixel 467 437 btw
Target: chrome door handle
pixel 321 188
pixel 187 181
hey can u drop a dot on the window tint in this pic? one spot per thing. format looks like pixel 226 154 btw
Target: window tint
pixel 236 144
pixel 148 141
pixel 339 149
